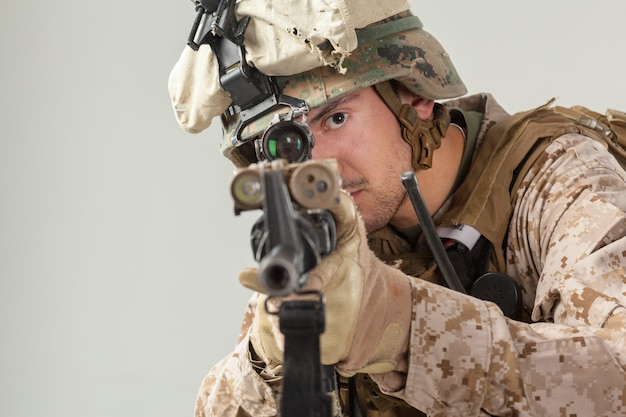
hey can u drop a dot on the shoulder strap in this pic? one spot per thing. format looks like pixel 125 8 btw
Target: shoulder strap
pixel 611 127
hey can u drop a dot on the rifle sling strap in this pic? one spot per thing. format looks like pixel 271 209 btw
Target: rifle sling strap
pixel 302 321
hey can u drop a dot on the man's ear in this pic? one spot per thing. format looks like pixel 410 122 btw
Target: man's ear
pixel 423 106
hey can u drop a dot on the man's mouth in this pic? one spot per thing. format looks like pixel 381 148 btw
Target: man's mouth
pixel 355 187
pixel 355 193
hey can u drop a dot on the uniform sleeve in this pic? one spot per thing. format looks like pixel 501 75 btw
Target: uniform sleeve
pixel 239 385
pixel 567 247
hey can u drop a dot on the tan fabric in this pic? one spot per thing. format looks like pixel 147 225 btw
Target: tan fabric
pixel 284 37
pixel 300 30
pixel 196 97
pixel 413 261
pixel 566 245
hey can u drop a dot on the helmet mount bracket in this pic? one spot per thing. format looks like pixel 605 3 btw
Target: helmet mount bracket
pixel 215 24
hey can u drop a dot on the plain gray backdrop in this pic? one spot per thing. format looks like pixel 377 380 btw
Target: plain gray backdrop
pixel 119 250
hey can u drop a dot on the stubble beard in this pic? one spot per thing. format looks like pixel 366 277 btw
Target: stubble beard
pixel 383 209
pixel 380 206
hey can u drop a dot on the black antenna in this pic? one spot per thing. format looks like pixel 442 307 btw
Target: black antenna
pixel 409 181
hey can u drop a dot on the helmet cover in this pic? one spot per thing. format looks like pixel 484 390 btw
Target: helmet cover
pixel 396 48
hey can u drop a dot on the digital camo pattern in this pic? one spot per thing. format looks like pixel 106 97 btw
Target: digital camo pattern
pixel 567 247
pixel 397 48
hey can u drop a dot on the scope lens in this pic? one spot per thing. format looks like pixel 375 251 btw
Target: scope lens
pixel 286 141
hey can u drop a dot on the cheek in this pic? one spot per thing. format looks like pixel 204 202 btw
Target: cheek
pixel 381 139
pixel 336 144
pixel 344 150
pixel 322 149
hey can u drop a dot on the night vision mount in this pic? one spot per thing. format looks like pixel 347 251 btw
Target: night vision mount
pixel 253 93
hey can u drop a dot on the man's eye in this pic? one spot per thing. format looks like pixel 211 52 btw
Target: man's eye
pixel 336 120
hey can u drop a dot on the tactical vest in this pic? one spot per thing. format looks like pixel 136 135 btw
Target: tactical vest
pixel 485 201
pixel 486 198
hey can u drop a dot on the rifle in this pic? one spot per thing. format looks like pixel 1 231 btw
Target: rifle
pixel 288 240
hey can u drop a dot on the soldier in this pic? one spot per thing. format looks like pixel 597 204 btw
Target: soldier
pixel 533 195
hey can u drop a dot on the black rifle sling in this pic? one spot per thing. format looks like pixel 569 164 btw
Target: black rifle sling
pixel 304 387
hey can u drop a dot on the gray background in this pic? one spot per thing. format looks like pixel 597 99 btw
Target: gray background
pixel 118 246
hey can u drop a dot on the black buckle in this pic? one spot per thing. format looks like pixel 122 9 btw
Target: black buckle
pixel 215 24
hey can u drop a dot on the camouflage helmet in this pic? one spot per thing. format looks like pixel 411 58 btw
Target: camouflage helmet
pixel 396 48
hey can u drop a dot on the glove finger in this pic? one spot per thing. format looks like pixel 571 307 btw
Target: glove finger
pixel 266 338
pixel 345 214
pixel 249 278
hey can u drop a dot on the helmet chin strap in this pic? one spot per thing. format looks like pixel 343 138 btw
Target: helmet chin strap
pixel 424 136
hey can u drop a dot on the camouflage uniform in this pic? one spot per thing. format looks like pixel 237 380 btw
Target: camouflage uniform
pixel 566 245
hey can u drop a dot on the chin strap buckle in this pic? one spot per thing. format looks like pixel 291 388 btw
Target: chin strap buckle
pixel 424 136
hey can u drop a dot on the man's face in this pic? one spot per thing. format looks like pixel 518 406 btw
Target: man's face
pixel 363 135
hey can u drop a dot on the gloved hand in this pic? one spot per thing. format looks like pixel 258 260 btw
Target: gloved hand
pixel 368 305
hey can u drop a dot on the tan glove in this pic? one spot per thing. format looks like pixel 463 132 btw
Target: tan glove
pixel 368 305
